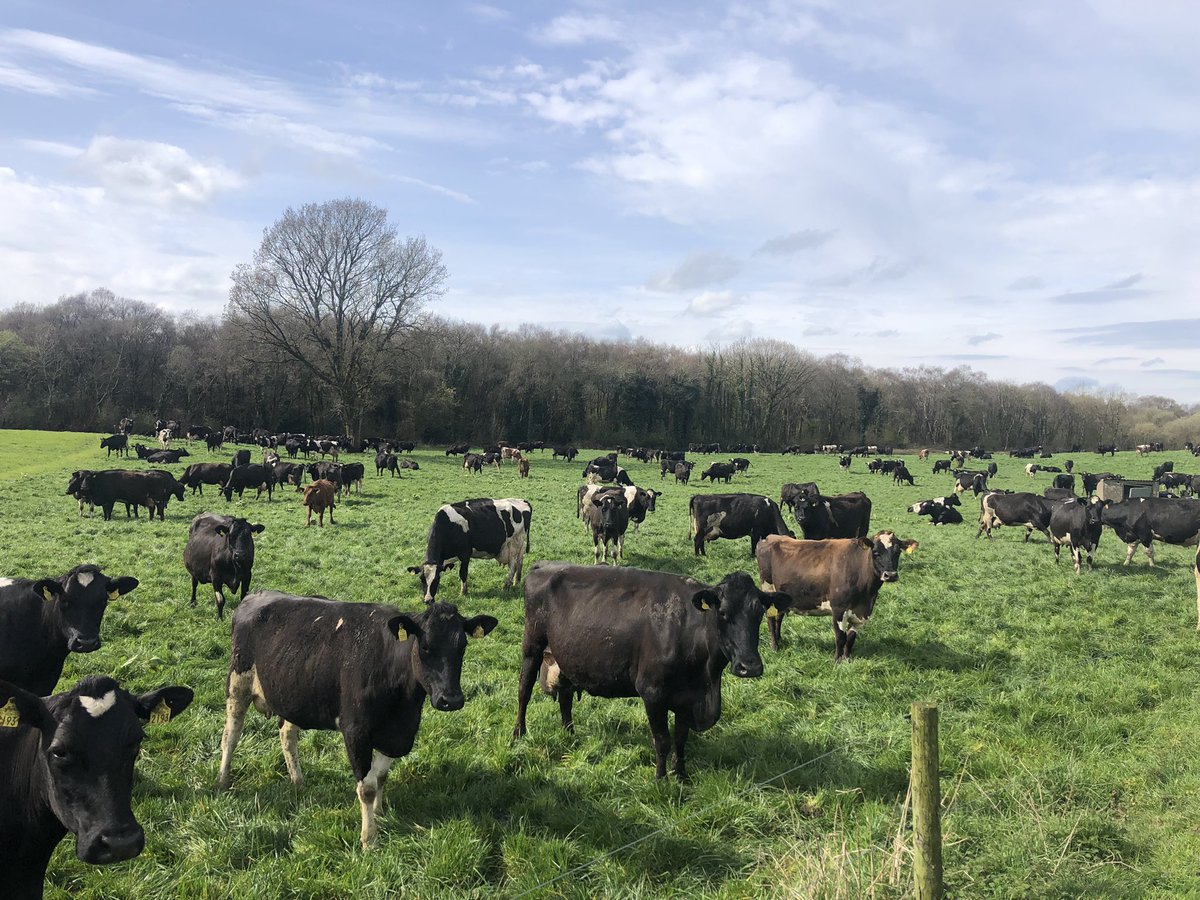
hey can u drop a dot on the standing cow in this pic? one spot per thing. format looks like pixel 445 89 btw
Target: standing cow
pixel 220 552
pixel 480 528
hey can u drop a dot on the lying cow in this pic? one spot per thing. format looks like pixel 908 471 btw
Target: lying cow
pixel 68 767
pixel 480 528
pixel 363 669
pixel 839 578
pixel 220 552
pixel 633 633
pixel 733 516
pixel 940 510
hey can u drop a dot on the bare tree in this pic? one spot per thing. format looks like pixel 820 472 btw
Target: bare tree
pixel 334 288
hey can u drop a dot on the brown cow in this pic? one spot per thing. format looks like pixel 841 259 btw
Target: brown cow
pixel 839 578
pixel 318 497
pixel 523 467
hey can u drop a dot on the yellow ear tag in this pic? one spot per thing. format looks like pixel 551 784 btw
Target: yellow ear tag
pixel 772 611
pixel 46 593
pixel 704 605
pixel 113 595
pixel 478 632
pixel 910 549
pixel 401 634
pixel 9 717
pixel 160 713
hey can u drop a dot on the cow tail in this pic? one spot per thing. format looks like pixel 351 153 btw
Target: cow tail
pixel 528 526
pixel 695 526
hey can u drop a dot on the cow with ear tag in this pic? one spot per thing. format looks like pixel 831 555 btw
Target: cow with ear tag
pixel 68 767
pixel 41 621
pixel 636 633
pixel 363 669
pixel 220 552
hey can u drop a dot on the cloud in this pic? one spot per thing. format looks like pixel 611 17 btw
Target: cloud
pixel 1122 283
pixel 711 302
pixel 1075 383
pixel 1151 363
pixel 975 340
pixel 818 331
pixel 579 29
pixel 1108 360
pixel 1164 334
pixel 972 357
pixel 1121 289
pixel 878 271
pixel 154 173
pixel 886 333
pixel 24 81
pixel 791 244
pixel 730 331
pixel 701 269
pixel 1027 283
pixel 488 13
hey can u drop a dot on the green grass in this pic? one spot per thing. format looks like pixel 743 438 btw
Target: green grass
pixel 1069 713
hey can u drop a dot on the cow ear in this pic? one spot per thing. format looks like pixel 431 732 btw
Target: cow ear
pixel 164 704
pixel 403 627
pixel 775 604
pixel 413 570
pixel 222 530
pixel 20 707
pixel 47 589
pixel 910 546
pixel 480 626
pixel 122 585
pixel 448 567
pixel 867 543
pixel 705 600
pixel 258 529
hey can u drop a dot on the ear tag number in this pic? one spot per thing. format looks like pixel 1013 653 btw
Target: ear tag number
pixel 401 634
pixel 113 595
pixel 160 714
pixel 9 717
pixel 478 632
pixel 46 593
pixel 772 611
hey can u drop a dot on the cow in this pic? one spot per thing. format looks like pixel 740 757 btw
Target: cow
pixel 683 472
pixel 1145 521
pixel 1092 481
pixel 839 578
pixel 941 465
pixel 567 453
pixel 605 470
pixel 164 438
pixel 492 459
pixel 1053 493
pixel 43 620
pixel 288 473
pixel 940 510
pixel 330 471
pixel 406 446
pixel 151 489
pixel 1172 481
pixel 901 473
pixel 319 496
pixel 523 467
pixel 923 454
pixel 1030 510
pixel 1110 449
pixel 844 462
pixel 75 489
pixel 385 461
pixel 215 440
pixel 167 456
pixel 1076 523
pixel 197 475
pixel 363 669
pixel 409 464
pixel 1032 469
pixel 1065 481
pixel 293 446
pixel 633 633
pixel 967 480
pixel 838 516
pixel 733 516
pixel 606 515
pixel 352 477
pixel 789 493
pixel 1162 469
pixel 220 552
pixel 117 443
pixel 251 475
pixel 1143 449
pixel 480 529
pixel 740 464
pixel 1069 465
pixel 638 500
pixel 457 449
pixel 473 462
pixel 241 458
pixel 68 767
pixel 718 470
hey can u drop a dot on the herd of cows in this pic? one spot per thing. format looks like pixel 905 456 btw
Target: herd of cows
pixel 366 669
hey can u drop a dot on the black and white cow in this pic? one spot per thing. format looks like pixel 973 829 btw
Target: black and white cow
pixel 1030 510
pixel 220 552
pixel 241 458
pixel 197 475
pixel 838 516
pixel 733 516
pixel 941 465
pixel 1076 523
pixel 363 669
pixel 1153 519
pixel 844 462
pixel 479 529
pixel 633 633
pixel 606 514
pixel 41 621
pixel 68 767
pixel 639 501
pixel 940 510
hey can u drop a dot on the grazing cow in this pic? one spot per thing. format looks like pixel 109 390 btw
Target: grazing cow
pixel 41 621
pixel 633 633
pixel 839 578
pixel 319 496
pixel 740 464
pixel 409 464
pixel 241 457
pixel 288 473
pixel 683 472
pixel 1172 481
pixel 151 489
pixel 197 475
pixel 220 552
pixel 352 477
pixel 940 510
pixel 480 528
pixel 839 516
pixel 1065 481
pixel 941 465
pixel 68 767
pixel 492 459
pixel 1032 469
pixel 718 470
pixel 1030 510
pixel 844 462
pixel 363 669
pixel 901 473
pixel 118 443
pixel 385 461
pixel 214 441
pixel 1076 523
pixel 457 449
pixel 252 475
pixel 606 470
pixel 166 456
pixel 473 462
pixel 733 516
pixel 567 453
pixel 1154 519
pixel 606 515
pixel 523 467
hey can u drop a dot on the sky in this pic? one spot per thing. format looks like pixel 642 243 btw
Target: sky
pixel 1013 187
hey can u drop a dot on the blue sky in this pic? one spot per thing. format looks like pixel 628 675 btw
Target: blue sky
pixel 1014 187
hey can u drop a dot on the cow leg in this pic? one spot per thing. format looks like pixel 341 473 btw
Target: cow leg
pixel 1150 554
pixel 775 630
pixel 682 726
pixel 660 734
pixel 839 642
pixel 532 653
pixel 308 524
pixel 596 550
pixel 1057 547
pixel 219 597
pixel 463 562
pixel 1198 589
pixel 195 581
pixel 566 702
pixel 1076 557
pixel 289 738
pixel 239 694
pixel 621 548
pixel 369 766
pixel 1028 533
pixel 1129 550
pixel 851 637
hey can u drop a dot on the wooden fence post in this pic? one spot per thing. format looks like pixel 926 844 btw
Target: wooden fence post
pixel 926 802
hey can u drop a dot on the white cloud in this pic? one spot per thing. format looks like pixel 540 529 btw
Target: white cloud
pixel 580 29
pixel 699 270
pixel 155 173
pixel 710 303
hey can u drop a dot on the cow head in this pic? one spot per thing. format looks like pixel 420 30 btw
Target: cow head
pixel 239 537
pixel 737 607
pixel 440 634
pixel 885 554
pixel 88 739
pixel 75 485
pixel 611 506
pixel 77 603
pixel 651 498
pixel 431 577
pixel 806 507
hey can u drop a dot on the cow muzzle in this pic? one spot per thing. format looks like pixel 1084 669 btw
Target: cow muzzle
pixel 113 846
pixel 889 576
pixel 79 644
pixel 752 669
pixel 449 702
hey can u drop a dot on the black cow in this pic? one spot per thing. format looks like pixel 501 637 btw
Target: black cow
pixel 633 633
pixel 293 446
pixel 839 516
pixel 491 529
pixel 1110 449
pixel 1030 510
pixel 1154 519
pixel 386 461
pixel 406 446
pixel 606 514
pixel 1163 469
pixel 733 516
pixel 1091 482
pixel 409 464
pixel 329 471
pixel 151 489
pixel 117 443
pixel 41 621
pixel 740 464
pixel 457 449
pixel 789 493
pixel 683 472
pixel 718 470
pixel 567 453
pixel 288 473
pixel 940 510
pixel 363 669
pixel 473 462
pixel 241 457
pixel 352 476
pixel 941 465
pixel 75 489
pixel 1053 493
pixel 901 473
pixel 166 456
pixel 68 767
pixel 992 469
pixel 220 552
pixel 1065 481
pixel 215 440
pixel 1076 523
pixel 251 475
pixel 605 469
pixel 197 475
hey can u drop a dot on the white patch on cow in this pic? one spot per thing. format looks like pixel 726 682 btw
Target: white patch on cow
pixel 340 623
pixel 84 578
pixel 885 538
pixel 850 622
pixel 317 619
pixel 712 526
pixel 456 517
pixel 5 582
pixel 915 507
pixel 98 706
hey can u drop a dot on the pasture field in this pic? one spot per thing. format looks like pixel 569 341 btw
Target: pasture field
pixel 1069 723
